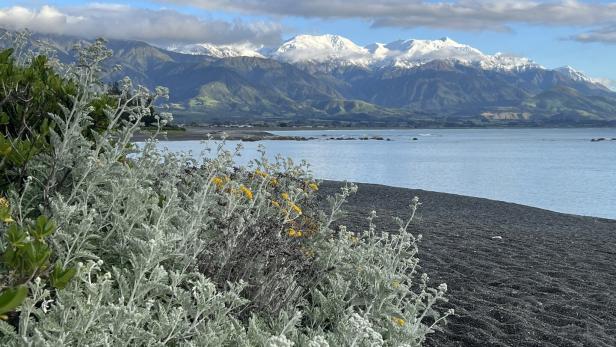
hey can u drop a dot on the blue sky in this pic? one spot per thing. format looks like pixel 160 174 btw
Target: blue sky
pixel 553 33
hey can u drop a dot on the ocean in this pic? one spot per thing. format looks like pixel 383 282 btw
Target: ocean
pixel 556 169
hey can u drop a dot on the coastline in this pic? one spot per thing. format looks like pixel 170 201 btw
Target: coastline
pixel 218 133
pixel 235 134
pixel 517 275
pixel 252 134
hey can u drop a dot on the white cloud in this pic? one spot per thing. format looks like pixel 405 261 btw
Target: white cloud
pixel 461 14
pixel 116 21
pixel 168 26
pixel 604 35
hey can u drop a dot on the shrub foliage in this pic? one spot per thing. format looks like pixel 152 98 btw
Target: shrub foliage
pixel 105 243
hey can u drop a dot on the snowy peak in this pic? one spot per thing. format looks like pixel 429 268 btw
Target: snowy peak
pixel 223 51
pixel 425 45
pixel 573 74
pixel 408 53
pixel 500 61
pixel 337 51
pixel 340 51
pixel 578 76
pixel 321 49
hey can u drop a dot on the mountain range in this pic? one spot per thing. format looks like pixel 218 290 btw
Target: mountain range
pixel 330 80
pixel 337 51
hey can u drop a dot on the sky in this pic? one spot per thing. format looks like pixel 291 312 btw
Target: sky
pixel 553 33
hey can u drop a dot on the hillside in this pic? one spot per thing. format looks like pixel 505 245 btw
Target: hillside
pixel 330 80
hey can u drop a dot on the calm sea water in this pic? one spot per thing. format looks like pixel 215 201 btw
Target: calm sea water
pixel 555 169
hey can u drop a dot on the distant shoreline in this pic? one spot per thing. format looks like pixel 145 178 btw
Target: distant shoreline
pixel 265 133
pixel 517 275
pixel 234 134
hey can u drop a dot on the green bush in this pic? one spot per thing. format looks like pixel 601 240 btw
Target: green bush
pixel 27 96
pixel 156 248
pixel 31 95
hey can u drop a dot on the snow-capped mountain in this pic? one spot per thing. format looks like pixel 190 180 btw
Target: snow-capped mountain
pixel 575 75
pixel 335 50
pixel 500 61
pixel 332 51
pixel 408 53
pixel 322 49
pixel 402 83
pixel 217 51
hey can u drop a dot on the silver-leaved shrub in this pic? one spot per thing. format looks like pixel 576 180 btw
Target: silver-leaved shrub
pixel 171 250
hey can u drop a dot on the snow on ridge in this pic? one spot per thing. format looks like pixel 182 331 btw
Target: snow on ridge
pixel 337 51
pixel 322 49
pixel 579 76
pixel 573 74
pixel 217 51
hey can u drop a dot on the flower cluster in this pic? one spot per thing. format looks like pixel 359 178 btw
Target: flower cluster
pixel 247 192
pixel 295 233
pixel 218 182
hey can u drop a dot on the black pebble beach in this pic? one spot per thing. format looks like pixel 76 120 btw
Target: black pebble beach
pixel 517 275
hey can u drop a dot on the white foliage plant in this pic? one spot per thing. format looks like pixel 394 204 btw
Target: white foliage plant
pixel 171 250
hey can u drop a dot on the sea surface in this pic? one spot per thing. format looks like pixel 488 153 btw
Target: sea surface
pixel 555 169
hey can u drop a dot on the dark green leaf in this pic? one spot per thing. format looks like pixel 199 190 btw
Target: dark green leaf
pixel 5 146
pixel 4 118
pixel 60 277
pixel 11 298
pixel 16 236
pixel 43 228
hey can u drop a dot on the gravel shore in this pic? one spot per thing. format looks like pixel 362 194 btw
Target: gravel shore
pixel 517 275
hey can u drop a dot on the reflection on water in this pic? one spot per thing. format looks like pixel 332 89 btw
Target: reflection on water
pixel 556 169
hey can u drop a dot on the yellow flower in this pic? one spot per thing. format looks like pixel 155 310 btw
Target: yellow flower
pixel 247 192
pixel 285 196
pixel 296 208
pixel 4 203
pixel 354 239
pixel 398 321
pixel 274 182
pixel 395 284
pixel 275 203
pixel 260 173
pixel 314 186
pixel 219 182
pixel 295 233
